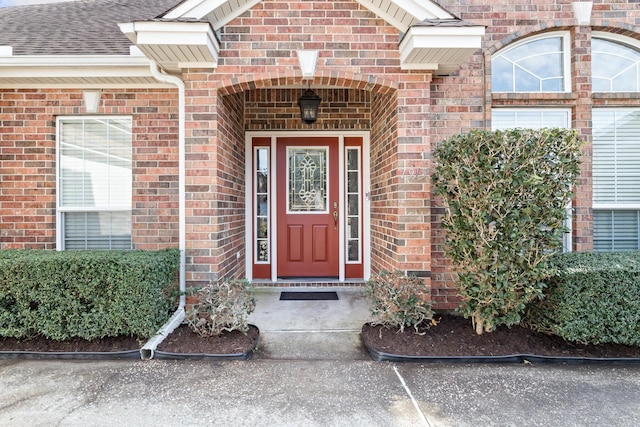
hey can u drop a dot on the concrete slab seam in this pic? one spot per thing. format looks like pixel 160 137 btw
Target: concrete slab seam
pixel 413 400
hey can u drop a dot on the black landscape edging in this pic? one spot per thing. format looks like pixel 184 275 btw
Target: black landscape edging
pixel 380 356
pixel 165 355
pixel 80 355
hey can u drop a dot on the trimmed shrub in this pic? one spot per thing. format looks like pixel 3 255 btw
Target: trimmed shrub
pixel 505 195
pixel 591 299
pixel 221 306
pixel 397 301
pixel 86 294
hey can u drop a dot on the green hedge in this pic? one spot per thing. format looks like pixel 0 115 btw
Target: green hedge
pixel 591 299
pixel 86 294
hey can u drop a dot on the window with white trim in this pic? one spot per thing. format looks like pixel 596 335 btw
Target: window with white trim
pixel 509 118
pixel 94 180
pixel 353 179
pixel 538 64
pixel 616 174
pixel 615 64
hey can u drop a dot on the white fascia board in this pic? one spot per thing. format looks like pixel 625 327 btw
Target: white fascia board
pixel 175 33
pixel 476 30
pixel 79 61
pixel 74 67
pixel 194 9
pixel 423 9
pixel 441 38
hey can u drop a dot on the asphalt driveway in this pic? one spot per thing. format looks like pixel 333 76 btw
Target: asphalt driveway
pixel 273 393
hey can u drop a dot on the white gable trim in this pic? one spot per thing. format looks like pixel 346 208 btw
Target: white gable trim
pixel 196 9
pixel 217 12
pixel 402 14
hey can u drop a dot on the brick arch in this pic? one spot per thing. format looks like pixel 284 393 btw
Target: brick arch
pixel 323 78
pixel 631 31
pixel 530 31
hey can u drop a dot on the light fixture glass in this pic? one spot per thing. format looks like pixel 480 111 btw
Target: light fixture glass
pixel 309 103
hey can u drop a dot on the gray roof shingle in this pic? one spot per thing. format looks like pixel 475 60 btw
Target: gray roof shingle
pixel 86 27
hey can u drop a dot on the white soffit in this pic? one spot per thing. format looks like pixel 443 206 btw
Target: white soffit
pixel 217 12
pixel 175 45
pixel 439 48
pixel 76 71
pixel 402 14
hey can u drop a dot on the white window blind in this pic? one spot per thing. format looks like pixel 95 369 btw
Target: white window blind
pixel 616 230
pixel 94 183
pixel 616 174
pixel 509 118
pixel 616 157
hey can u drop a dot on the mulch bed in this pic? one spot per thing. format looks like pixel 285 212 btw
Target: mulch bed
pixel 182 340
pixel 454 336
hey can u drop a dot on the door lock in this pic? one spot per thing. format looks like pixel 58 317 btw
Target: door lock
pixel 335 219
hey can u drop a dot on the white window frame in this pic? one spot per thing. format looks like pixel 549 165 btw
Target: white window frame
pixel 60 209
pixel 565 36
pixel 620 39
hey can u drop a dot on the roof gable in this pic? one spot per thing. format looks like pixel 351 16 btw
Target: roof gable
pixel 402 14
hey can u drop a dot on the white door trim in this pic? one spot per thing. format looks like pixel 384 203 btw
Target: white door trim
pixel 366 190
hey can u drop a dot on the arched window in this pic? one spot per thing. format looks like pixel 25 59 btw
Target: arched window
pixel 615 66
pixel 538 64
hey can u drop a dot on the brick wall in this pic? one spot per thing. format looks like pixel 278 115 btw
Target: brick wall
pixel 277 109
pixel 28 156
pixel 464 100
pixel 383 199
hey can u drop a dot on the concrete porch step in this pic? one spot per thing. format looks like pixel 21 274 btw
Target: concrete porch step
pixel 310 330
pixel 311 345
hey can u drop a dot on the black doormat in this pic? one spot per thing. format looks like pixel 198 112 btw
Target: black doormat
pixel 308 296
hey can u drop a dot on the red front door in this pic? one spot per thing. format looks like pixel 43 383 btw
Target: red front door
pixel 307 206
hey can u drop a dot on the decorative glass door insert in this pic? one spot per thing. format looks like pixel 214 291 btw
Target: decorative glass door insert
pixel 307 179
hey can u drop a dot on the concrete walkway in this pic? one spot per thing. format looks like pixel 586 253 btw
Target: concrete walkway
pixel 314 393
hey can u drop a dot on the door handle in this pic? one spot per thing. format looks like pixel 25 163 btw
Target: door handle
pixel 335 219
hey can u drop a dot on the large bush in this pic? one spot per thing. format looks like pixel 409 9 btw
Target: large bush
pixel 86 294
pixel 591 299
pixel 505 195
pixel 397 301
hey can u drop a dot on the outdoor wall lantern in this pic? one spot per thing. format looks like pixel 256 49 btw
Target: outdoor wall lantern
pixel 309 103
